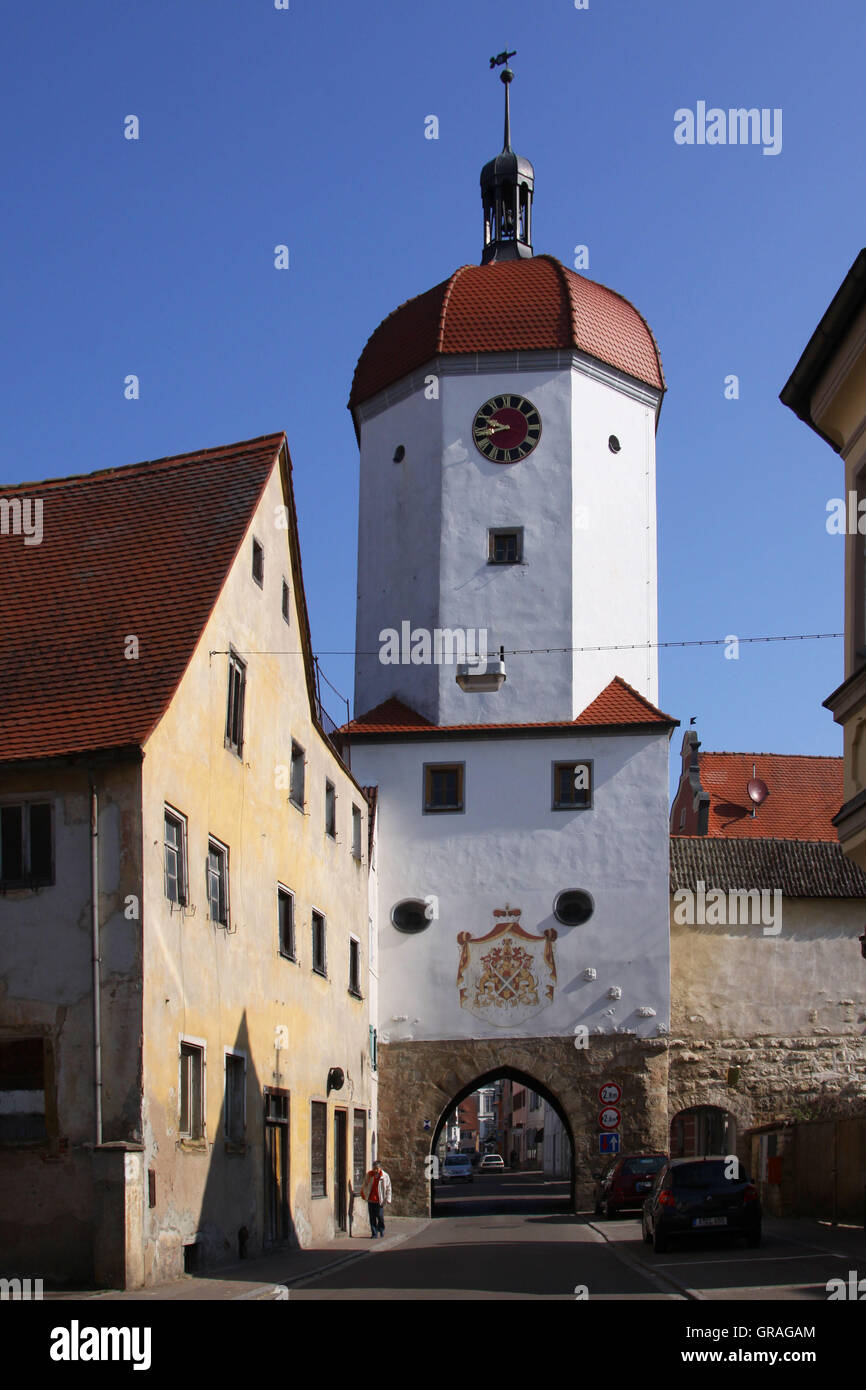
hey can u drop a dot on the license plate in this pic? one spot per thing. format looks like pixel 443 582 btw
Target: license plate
pixel 642 1186
pixel 710 1221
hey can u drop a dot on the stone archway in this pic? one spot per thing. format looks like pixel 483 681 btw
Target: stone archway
pixel 524 1078
pixel 419 1080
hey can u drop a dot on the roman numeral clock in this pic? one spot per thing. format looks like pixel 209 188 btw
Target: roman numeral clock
pixel 506 428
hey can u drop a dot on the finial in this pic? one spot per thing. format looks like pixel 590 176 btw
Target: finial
pixel 506 76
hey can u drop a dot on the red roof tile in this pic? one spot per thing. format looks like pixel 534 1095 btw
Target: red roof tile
pixel 524 305
pixel 805 794
pixel 618 703
pixel 142 550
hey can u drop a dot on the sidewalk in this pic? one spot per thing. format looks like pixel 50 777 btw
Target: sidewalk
pixel 269 1276
pixel 846 1241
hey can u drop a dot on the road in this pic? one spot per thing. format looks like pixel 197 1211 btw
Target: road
pixel 511 1237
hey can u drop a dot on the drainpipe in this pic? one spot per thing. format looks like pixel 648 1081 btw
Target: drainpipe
pixel 94 922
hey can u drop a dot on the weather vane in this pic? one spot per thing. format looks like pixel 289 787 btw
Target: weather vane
pixel 505 76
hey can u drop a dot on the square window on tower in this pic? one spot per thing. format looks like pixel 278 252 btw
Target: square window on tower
pixel 443 787
pixel 505 545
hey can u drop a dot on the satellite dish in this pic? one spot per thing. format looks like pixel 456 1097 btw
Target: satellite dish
pixel 758 790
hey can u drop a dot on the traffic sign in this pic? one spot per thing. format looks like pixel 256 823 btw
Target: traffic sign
pixel 610 1093
pixel 608 1143
pixel 609 1118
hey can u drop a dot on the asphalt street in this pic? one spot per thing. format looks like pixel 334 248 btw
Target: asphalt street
pixel 511 1237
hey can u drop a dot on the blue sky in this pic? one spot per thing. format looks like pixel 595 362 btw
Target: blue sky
pixel 306 127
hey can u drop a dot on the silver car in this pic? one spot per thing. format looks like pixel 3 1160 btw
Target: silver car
pixel 456 1168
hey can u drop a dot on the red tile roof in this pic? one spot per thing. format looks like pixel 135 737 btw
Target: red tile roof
pixel 618 703
pixel 805 794
pixel 524 305
pixel 142 550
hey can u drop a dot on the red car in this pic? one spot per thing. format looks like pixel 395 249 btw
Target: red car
pixel 626 1182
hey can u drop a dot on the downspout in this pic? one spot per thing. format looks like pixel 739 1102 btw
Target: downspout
pixel 94 923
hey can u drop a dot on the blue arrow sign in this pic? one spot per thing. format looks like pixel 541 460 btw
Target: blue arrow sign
pixel 608 1143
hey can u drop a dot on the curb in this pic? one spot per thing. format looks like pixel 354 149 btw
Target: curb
pixel 664 1282
pixel 275 1292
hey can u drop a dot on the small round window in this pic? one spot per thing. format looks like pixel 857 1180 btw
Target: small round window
pixel 573 907
pixel 410 915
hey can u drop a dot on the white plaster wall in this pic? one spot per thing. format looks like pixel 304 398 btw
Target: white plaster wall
pixel 422 554
pixel 509 847
pixel 808 980
pixel 398 546
pixel 614 597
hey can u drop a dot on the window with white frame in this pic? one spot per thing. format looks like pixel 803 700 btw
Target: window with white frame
pixel 319 955
pixel 218 882
pixel 191 1091
pixel 235 709
pixel 286 919
pixel 296 777
pixel 235 1108
pixel 355 966
pixel 174 841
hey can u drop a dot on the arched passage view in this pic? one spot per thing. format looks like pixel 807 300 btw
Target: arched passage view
pixel 502 1144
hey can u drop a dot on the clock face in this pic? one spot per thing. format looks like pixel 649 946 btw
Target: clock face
pixel 506 428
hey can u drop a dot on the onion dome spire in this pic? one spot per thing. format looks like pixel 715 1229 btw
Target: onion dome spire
pixel 506 191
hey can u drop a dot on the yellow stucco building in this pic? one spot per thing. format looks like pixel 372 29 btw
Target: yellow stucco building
pixel 187 1071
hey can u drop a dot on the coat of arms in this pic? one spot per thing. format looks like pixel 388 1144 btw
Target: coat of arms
pixel 507 975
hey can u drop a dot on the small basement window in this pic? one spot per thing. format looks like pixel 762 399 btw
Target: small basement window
pixel 22 1090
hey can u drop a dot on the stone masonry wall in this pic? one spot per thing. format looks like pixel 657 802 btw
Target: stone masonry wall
pixel 418 1082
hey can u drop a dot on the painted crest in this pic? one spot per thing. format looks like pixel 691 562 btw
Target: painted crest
pixel 507 975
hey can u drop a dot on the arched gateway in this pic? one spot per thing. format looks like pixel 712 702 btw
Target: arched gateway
pixel 505 679
pixel 420 1083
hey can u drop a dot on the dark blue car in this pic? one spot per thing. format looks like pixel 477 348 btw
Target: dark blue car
pixel 702 1196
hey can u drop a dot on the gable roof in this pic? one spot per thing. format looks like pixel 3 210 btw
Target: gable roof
pixel 142 550
pixel 805 794
pixel 619 704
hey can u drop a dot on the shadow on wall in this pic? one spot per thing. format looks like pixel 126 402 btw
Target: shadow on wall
pixel 245 1207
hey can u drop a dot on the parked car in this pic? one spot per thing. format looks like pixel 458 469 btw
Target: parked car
pixel 626 1182
pixel 699 1196
pixel 492 1161
pixel 456 1168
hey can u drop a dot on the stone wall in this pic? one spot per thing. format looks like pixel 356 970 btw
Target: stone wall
pixel 419 1082
pixel 763 1079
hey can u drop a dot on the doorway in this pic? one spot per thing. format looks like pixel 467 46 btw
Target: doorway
pixel 341 1134
pixel 276 1165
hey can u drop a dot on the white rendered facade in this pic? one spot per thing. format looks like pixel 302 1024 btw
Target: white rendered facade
pixel 588 574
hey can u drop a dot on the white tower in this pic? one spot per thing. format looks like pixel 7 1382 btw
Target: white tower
pixel 506 422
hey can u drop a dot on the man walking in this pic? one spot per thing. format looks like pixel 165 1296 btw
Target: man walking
pixel 376 1191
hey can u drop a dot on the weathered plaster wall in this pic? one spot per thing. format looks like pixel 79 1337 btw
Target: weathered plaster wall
pixel 788 1011
pixel 232 989
pixel 46 990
